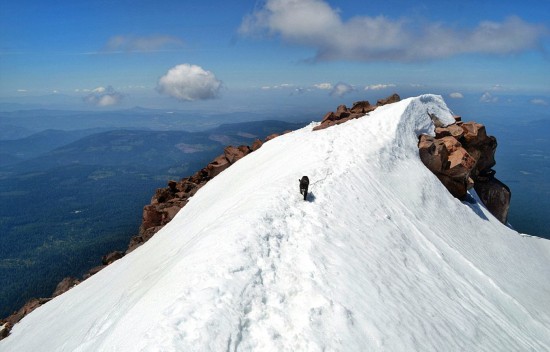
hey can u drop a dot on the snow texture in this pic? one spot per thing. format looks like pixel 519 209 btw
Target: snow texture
pixel 380 258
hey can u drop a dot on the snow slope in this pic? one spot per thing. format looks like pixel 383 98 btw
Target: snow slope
pixel 380 257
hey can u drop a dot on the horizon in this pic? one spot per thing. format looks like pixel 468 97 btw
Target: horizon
pixel 269 54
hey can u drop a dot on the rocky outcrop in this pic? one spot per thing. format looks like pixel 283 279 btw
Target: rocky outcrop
pixel 65 285
pixel 462 155
pixel 359 109
pixel 494 194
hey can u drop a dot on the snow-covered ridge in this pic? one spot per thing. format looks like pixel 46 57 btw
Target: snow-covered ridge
pixel 380 257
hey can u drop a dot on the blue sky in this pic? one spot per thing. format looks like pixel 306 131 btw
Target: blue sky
pixel 196 54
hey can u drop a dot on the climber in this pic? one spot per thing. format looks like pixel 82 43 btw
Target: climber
pixel 304 183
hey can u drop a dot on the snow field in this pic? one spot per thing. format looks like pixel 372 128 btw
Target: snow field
pixel 380 257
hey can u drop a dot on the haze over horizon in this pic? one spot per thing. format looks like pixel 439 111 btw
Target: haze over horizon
pixel 232 56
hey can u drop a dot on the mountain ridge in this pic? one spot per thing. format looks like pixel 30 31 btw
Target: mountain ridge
pixel 285 276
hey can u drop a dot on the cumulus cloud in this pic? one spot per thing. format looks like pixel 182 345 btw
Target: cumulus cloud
pixel 456 95
pixel 538 101
pixel 488 98
pixel 341 89
pixel 102 96
pixel 130 43
pixel 366 38
pixel 379 86
pixel 189 82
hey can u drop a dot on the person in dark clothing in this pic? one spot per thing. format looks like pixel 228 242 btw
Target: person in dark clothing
pixel 304 183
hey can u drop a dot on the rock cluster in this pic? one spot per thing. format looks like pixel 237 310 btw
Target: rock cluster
pixel 462 155
pixel 359 109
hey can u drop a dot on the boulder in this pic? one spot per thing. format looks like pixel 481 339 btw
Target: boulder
pixel 394 98
pixel 329 116
pixel 362 107
pixel 232 154
pixel 111 257
pixel 433 153
pixel 271 136
pixel 495 195
pixel 452 130
pixel 65 285
pixel 257 144
pixel 151 217
pixel 217 166
pixel 341 112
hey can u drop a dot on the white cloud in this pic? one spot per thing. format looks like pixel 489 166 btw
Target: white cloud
pixel 99 90
pixel 129 43
pixel 22 91
pixel 456 95
pixel 189 82
pixel 102 96
pixel 488 98
pixel 538 101
pixel 280 86
pixel 365 38
pixel 341 89
pixel 324 86
pixel 379 86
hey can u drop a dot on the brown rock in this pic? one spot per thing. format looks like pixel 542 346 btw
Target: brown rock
pixel 495 195
pixel 474 133
pixel 271 136
pixel 162 195
pixel 232 154
pixel 394 98
pixel 452 130
pixel 217 166
pixel 172 185
pixel 111 257
pixel 451 143
pixel 65 285
pixel 461 164
pixel 169 213
pixel 256 145
pixel 362 107
pixel 151 217
pixel 329 116
pixel 433 154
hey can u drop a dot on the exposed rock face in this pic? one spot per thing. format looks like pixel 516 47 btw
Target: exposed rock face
pixel 65 285
pixel 111 257
pixel 394 98
pixel 461 155
pixel 495 195
pixel 358 109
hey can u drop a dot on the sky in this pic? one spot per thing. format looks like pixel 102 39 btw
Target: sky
pixel 234 54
